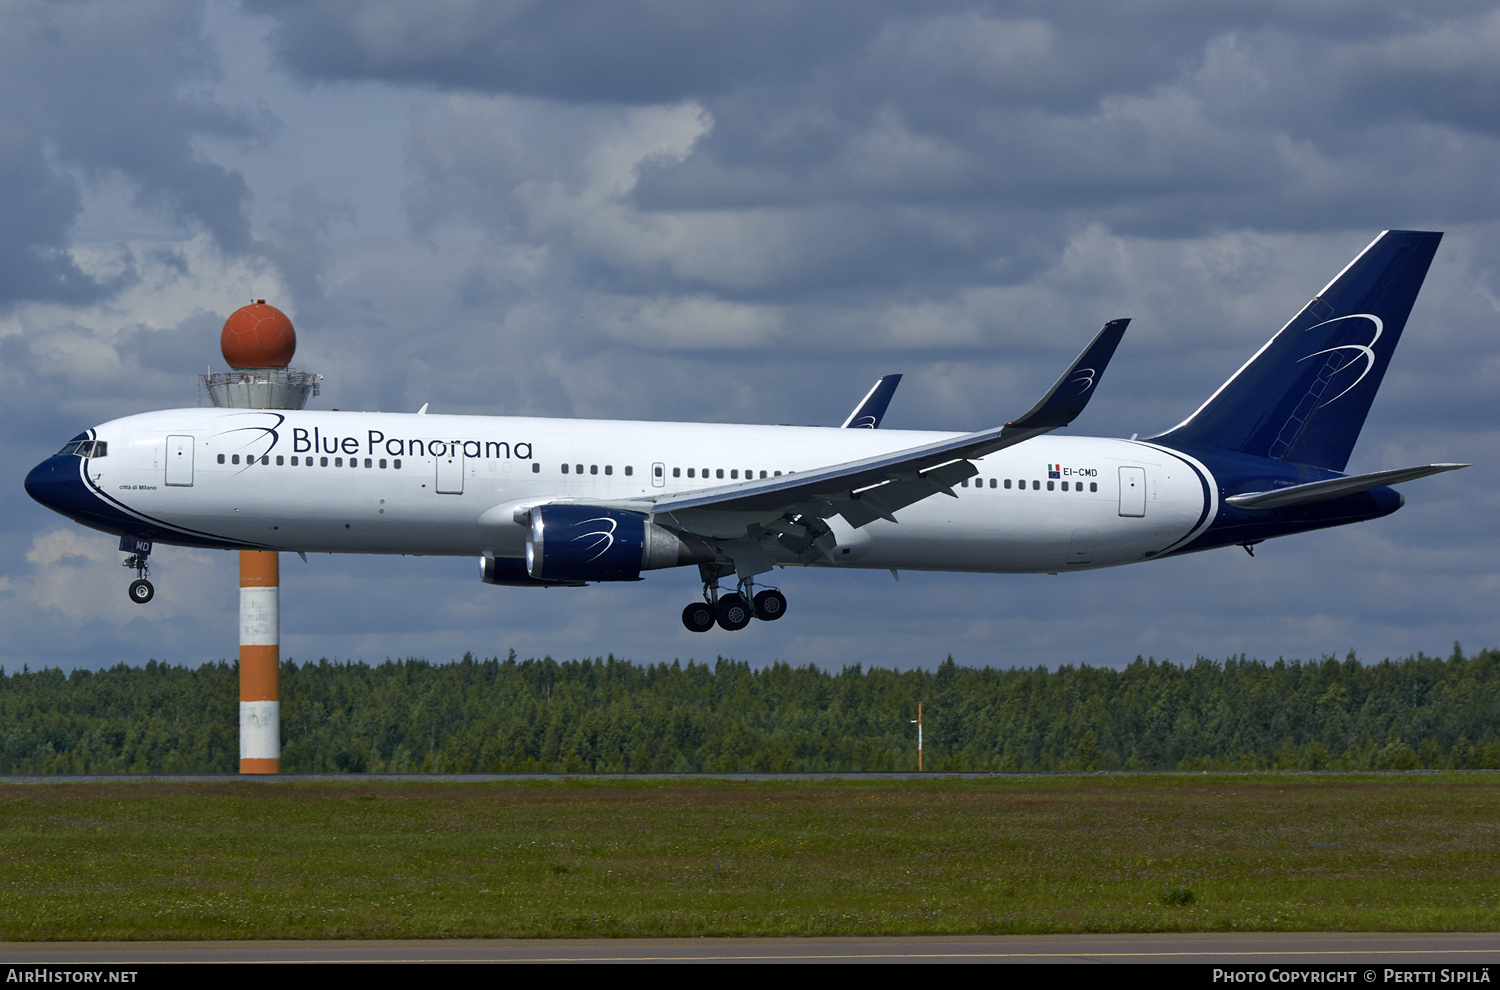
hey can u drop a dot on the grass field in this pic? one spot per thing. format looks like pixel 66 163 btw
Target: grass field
pixel 598 857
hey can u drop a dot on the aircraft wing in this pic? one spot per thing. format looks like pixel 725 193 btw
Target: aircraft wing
pixel 871 409
pixel 875 487
pixel 1322 491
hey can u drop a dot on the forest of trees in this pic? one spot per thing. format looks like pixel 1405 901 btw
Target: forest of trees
pixel 608 715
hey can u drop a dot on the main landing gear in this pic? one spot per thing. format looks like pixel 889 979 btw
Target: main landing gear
pixel 141 591
pixel 733 610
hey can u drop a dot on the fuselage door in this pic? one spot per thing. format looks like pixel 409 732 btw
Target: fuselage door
pixel 1081 548
pixel 450 471
pixel 180 461
pixel 658 475
pixel 1132 491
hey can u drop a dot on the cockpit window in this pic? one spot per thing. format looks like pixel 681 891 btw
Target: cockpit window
pixel 84 448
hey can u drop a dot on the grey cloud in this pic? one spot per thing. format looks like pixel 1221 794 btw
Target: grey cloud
pixel 298 243
pixel 37 205
pixel 599 51
pixel 928 149
pixel 100 88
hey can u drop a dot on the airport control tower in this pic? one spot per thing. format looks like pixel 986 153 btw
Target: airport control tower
pixel 258 342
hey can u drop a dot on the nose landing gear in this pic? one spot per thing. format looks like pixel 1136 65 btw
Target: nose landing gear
pixel 141 591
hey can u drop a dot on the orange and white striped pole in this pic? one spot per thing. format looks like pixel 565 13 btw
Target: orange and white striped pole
pixel 918 722
pixel 260 658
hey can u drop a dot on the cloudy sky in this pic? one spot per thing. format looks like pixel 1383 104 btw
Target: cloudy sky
pixel 738 212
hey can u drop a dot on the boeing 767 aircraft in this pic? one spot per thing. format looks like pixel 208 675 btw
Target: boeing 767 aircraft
pixel 558 502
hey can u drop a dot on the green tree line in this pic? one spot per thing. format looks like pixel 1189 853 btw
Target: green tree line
pixel 610 716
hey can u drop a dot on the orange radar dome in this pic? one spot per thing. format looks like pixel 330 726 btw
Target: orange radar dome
pixel 258 336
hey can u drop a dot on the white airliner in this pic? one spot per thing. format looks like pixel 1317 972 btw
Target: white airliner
pixel 556 502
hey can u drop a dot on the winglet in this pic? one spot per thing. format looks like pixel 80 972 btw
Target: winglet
pixel 1066 400
pixel 871 409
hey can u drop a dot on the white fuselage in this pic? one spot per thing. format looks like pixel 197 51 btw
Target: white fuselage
pixel 388 483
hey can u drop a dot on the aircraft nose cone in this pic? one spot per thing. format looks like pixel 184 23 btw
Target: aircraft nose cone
pixel 56 484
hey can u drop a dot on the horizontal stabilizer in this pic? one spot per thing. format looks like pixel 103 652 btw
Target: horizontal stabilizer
pixel 1322 491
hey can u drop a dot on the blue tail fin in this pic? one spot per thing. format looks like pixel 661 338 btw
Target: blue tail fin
pixel 871 409
pixel 1304 396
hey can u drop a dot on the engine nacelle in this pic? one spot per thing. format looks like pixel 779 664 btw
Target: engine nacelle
pixel 590 543
pixel 511 572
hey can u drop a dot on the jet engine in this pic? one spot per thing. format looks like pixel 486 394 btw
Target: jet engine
pixel 575 543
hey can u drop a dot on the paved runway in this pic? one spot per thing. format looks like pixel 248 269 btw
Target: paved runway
pixel 1357 950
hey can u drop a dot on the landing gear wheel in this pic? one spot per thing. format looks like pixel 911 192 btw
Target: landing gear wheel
pixel 698 617
pixel 734 613
pixel 770 605
pixel 141 591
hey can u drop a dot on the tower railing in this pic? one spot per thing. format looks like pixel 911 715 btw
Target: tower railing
pixel 260 388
